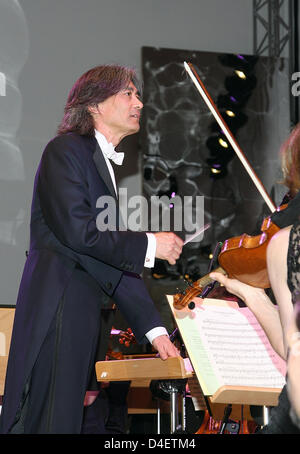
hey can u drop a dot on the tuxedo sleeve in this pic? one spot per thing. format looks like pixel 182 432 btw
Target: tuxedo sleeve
pixel 63 189
pixel 137 307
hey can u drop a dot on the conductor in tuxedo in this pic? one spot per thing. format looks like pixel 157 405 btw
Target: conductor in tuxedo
pixel 73 268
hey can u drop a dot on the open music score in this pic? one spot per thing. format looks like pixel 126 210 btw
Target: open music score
pixel 230 353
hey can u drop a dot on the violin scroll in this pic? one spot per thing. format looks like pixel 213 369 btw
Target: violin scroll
pixel 181 300
pixel 197 289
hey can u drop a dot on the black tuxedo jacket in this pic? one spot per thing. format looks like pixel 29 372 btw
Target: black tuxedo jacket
pixel 72 175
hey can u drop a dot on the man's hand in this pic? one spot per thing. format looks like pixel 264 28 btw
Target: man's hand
pixel 165 347
pixel 168 246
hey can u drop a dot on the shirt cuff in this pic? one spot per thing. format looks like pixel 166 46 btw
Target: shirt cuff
pixel 151 250
pixel 155 332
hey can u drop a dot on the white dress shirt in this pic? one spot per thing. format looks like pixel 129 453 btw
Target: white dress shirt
pixel 151 248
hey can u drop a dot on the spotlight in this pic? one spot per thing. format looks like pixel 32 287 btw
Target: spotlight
pixel 239 87
pixel 213 145
pixel 218 167
pixel 234 121
pixel 223 142
pixel 240 74
pixel 230 113
pixel 221 154
pixel 218 146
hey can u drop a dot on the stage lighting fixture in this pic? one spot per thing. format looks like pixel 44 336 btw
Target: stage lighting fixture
pixel 231 102
pixel 218 167
pixel 238 87
pixel 223 142
pixel 245 63
pixel 230 113
pixel 217 144
pixel 234 121
pixel 240 74
pixel 219 148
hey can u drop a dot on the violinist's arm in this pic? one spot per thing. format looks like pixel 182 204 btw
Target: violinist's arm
pixel 260 304
pixel 277 270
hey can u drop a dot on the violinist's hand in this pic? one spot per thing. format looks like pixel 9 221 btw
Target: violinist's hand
pixel 165 347
pixel 243 291
pixel 168 246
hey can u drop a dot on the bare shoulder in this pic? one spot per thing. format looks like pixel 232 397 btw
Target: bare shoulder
pixel 278 244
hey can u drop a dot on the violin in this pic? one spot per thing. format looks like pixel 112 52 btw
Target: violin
pixel 125 338
pixel 242 257
pixel 184 298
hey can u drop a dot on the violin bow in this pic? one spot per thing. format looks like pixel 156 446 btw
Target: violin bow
pixel 212 107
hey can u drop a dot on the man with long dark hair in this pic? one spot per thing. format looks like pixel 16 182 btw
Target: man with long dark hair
pixel 73 267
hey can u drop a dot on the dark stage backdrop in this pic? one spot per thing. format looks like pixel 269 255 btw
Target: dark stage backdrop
pixel 179 139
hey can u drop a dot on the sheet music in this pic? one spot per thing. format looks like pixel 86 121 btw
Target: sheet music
pixel 227 346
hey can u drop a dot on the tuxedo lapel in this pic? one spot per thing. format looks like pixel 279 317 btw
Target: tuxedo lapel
pixel 102 168
pixel 105 176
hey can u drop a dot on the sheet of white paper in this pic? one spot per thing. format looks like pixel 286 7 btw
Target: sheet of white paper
pixel 227 346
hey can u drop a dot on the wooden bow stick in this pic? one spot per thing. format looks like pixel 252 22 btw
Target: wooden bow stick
pixel 212 107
